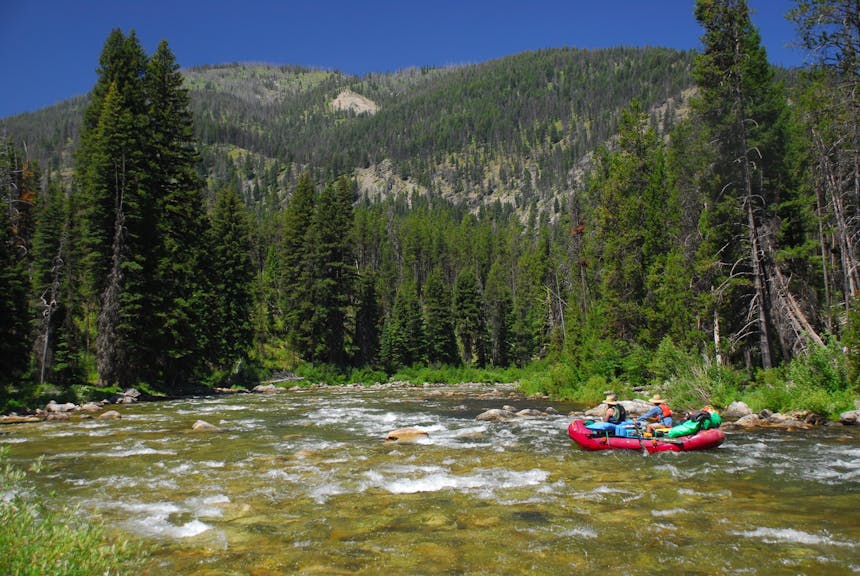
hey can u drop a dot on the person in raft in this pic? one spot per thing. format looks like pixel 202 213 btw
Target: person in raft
pixel 615 412
pixel 703 419
pixel 660 416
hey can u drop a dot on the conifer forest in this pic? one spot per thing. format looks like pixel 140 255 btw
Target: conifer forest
pixel 576 220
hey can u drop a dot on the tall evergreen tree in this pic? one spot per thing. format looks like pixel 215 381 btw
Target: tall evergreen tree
pixel 368 318
pixel 229 311
pixel 294 252
pixel 439 320
pixel 745 114
pixel 469 319
pixel 499 306
pixel 105 157
pixel 14 328
pixel 328 273
pixel 172 236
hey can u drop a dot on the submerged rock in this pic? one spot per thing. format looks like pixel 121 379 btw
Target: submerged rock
pixel 203 426
pixel 110 415
pixel 405 435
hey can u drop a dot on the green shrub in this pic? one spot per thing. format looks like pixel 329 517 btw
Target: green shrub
pixel 36 539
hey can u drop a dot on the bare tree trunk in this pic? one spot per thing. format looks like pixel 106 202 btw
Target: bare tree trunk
pixel 50 302
pixel 109 348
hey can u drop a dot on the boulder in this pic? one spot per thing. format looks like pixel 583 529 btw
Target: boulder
pixel 495 415
pixel 636 407
pixel 110 415
pixel 265 389
pixel 736 411
pixel 748 421
pixel 53 407
pixel 780 420
pixel 405 435
pixel 203 426
pixel 529 412
pixel 129 396
pixel 91 407
pixel 633 407
pixel 850 418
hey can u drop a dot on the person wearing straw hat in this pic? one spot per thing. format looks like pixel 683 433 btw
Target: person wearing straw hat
pixel 660 416
pixel 615 412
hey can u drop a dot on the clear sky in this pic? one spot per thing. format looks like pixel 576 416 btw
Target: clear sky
pixel 49 49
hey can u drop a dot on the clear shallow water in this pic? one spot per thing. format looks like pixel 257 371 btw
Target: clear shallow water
pixel 302 483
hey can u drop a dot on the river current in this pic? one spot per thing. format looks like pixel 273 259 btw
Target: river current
pixel 302 483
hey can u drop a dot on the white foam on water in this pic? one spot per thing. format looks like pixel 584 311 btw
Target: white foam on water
pixel 138 450
pixel 668 512
pixel 415 479
pixel 792 536
pixel 13 440
pixel 582 532
pixel 153 520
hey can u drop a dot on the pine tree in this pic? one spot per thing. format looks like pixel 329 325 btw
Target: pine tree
pixel 229 313
pixel 118 157
pixel 328 274
pixel 633 220
pixel 403 336
pixel 469 320
pixel 368 318
pixel 173 232
pixel 103 158
pixel 745 114
pixel 499 307
pixel 439 321
pixel 14 329
pixel 294 252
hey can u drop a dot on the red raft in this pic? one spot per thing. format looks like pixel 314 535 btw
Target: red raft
pixel 601 440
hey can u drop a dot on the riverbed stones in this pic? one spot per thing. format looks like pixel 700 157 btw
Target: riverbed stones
pixel 110 415
pixel 406 435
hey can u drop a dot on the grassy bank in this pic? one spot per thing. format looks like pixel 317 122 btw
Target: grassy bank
pixel 38 539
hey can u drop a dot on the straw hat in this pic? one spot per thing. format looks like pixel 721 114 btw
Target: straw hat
pixel 656 399
pixel 611 399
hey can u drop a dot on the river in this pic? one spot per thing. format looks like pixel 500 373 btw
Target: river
pixel 302 483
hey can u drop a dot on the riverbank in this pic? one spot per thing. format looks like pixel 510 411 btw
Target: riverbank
pixel 736 415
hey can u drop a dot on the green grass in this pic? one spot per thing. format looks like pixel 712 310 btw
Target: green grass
pixel 38 539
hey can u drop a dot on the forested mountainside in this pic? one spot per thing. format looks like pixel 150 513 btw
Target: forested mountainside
pixel 514 129
pixel 605 218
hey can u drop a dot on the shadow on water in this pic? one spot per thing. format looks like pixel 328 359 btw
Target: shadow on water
pixel 302 483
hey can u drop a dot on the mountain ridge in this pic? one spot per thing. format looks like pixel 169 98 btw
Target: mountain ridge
pixel 517 129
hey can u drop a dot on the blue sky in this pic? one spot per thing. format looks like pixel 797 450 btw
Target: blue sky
pixel 49 49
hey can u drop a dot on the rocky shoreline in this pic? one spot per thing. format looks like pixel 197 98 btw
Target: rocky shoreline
pixel 736 415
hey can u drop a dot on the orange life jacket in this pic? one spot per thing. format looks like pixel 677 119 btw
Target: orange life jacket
pixel 666 410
